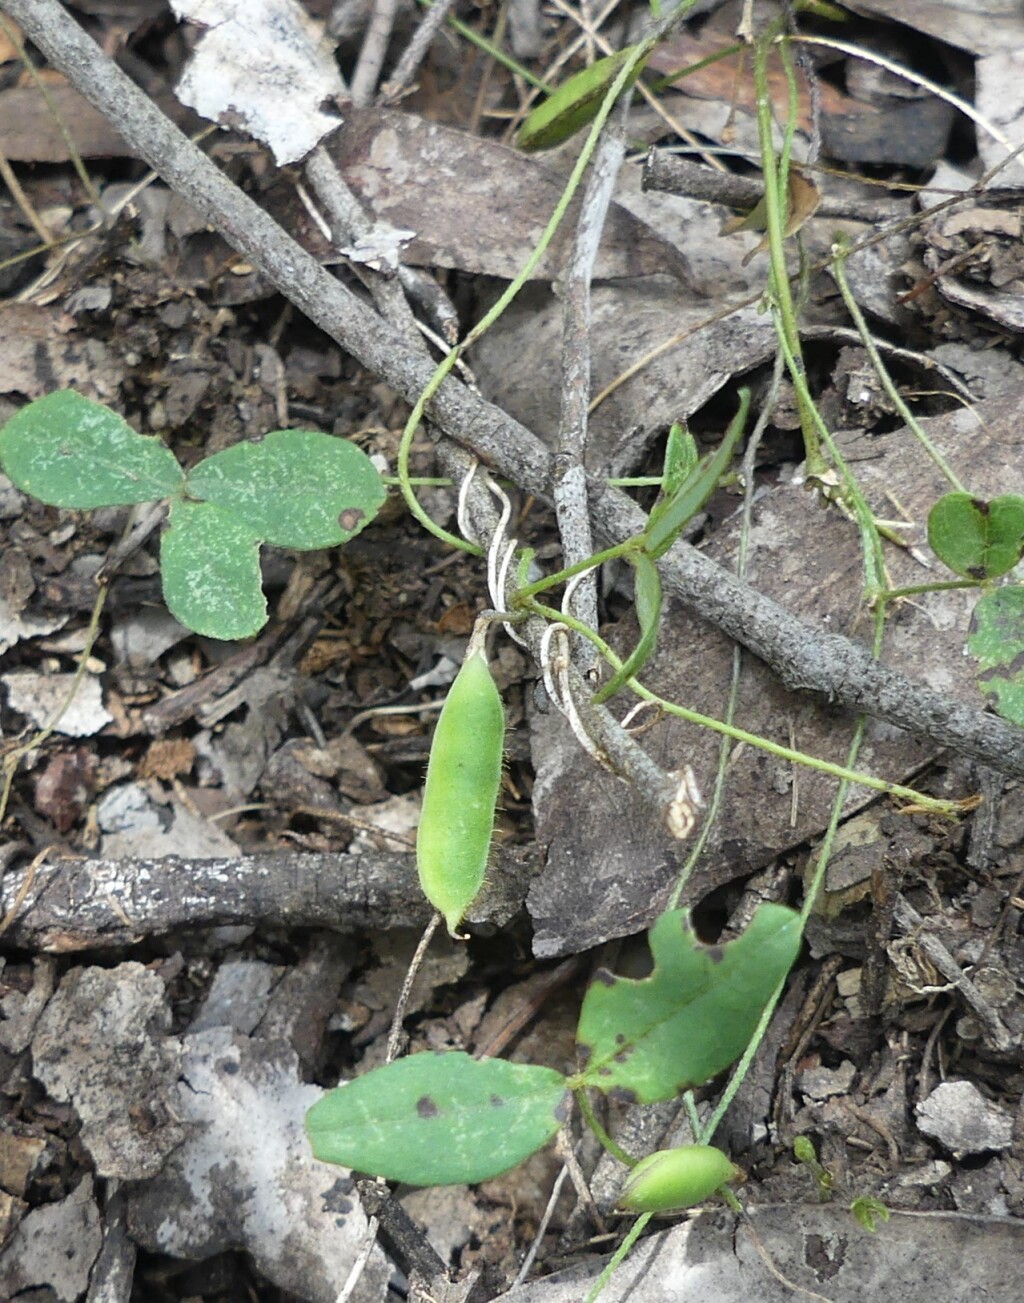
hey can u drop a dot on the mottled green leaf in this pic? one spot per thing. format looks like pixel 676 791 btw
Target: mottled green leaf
pixel 211 572
pixel 293 488
pixel 681 458
pixel 975 538
pixel 996 640
pixel 68 451
pixel 654 1037
pixel 439 1119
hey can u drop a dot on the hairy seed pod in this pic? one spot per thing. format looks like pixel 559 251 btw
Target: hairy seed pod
pixel 463 776
pixel 676 1178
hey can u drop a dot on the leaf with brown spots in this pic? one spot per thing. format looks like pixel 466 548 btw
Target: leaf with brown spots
pixel 439 1119
pixel 652 1038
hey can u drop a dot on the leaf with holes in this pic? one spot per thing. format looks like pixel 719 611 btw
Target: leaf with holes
pixel 211 572
pixel 68 451
pixel 996 640
pixel 975 538
pixel 293 488
pixel 652 1038
pixel 439 1119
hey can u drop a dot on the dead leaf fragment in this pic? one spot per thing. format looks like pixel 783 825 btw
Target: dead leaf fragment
pixel 261 68
pixel 65 786
pixel 477 205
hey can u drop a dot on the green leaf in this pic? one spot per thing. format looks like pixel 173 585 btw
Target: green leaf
pixel 655 1037
pixel 648 611
pixel 975 538
pixel 68 451
pixel 439 1119
pixel 211 572
pixel 996 640
pixel 868 1212
pixel 293 488
pixel 681 458
pixel 575 103
pixel 671 514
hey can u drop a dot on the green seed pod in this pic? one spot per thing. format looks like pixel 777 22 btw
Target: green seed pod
pixel 676 1178
pixel 463 776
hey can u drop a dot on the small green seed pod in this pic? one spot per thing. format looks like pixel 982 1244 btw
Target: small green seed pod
pixel 463 776
pixel 676 1178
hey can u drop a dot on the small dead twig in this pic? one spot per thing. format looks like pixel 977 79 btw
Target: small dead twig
pixel 912 922
pixel 569 479
pixel 349 223
pixel 373 52
pixel 415 52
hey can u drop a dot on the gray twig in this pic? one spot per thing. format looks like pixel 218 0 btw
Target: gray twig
pixel 349 223
pixel 415 52
pixel 568 472
pixel 670 174
pixel 373 52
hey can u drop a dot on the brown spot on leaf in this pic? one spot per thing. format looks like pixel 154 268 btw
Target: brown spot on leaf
pixel 715 953
pixel 426 1108
pixel 351 518
pixel 497 1101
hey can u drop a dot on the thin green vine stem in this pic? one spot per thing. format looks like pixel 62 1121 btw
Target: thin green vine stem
pixel 840 252
pixel 619 1256
pixel 871 549
pixel 914 590
pixel 405 448
pixel 741 735
pixel 732 701
pixel 591 1119
pixel 493 51
pixel 588 563
pixel 810 899
pixel 419 481
pixel 776 200
pixel 671 78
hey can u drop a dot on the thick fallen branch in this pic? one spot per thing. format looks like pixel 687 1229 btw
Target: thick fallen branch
pixel 805 660
pixel 85 904
pixel 64 905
